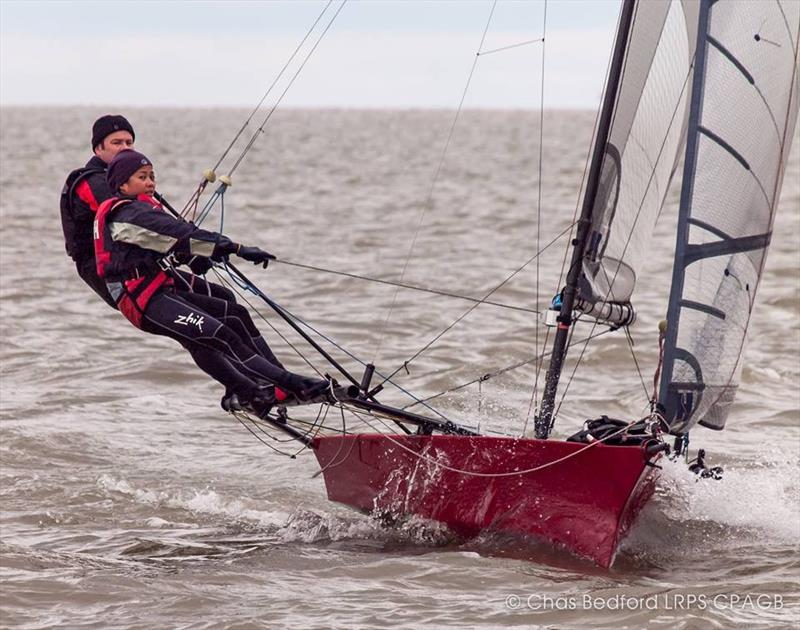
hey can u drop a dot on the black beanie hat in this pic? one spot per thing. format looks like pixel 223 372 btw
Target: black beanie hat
pixel 124 164
pixel 108 124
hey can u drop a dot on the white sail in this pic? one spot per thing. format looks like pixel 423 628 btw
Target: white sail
pixel 645 139
pixel 742 121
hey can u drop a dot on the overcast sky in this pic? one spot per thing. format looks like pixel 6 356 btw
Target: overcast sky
pixel 377 53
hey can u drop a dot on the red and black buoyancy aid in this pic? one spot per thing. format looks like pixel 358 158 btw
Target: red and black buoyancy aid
pixel 77 233
pixel 136 286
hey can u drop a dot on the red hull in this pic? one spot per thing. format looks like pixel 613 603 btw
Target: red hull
pixel 585 503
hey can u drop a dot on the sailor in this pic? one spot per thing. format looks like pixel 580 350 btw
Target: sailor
pixel 131 239
pixel 86 188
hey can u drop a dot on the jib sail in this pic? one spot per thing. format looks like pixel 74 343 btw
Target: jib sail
pixel 641 152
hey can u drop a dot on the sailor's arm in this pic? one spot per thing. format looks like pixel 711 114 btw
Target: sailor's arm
pixel 141 225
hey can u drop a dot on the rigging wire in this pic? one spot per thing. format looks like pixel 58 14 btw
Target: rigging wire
pixel 233 286
pixel 272 86
pixel 474 306
pixel 429 199
pixel 361 362
pixel 534 395
pixel 574 222
pixel 335 461
pixel 234 283
pixel 220 191
pixel 194 198
pixel 260 129
pixel 245 422
pixel 500 372
pixel 531 41
pixel 407 286
pixel 253 424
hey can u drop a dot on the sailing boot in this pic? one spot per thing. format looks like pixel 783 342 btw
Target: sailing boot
pixel 230 402
pixel 313 388
pixel 264 399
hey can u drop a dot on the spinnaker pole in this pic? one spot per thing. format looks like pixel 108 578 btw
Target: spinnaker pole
pixel 543 423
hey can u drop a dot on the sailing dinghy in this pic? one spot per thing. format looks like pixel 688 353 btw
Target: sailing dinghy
pixel 711 85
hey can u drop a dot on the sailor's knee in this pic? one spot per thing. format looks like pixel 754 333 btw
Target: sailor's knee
pixel 223 293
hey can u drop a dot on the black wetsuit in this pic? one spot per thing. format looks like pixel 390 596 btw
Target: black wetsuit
pixel 83 192
pixel 136 235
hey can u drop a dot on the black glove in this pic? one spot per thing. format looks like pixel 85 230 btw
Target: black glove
pixel 255 255
pixel 200 265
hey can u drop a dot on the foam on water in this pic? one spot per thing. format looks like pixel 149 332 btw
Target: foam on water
pixel 753 503
pixel 762 497
pixel 204 502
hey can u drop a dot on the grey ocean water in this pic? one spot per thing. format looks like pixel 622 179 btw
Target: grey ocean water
pixel 129 499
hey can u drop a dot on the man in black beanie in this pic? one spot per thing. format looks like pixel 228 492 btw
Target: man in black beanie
pixel 84 191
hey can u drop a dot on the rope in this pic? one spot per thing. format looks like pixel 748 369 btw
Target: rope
pixel 481 301
pixel 629 338
pixel 407 286
pixel 526 471
pixel 502 371
pixel 335 461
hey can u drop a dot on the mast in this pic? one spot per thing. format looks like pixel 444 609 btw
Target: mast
pixel 544 420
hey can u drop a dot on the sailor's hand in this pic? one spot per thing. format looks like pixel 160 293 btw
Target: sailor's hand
pixel 200 265
pixel 255 255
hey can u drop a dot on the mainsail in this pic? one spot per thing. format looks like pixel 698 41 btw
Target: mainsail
pixel 743 113
pixel 641 150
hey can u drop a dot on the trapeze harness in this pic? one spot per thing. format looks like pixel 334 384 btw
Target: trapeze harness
pixel 130 293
